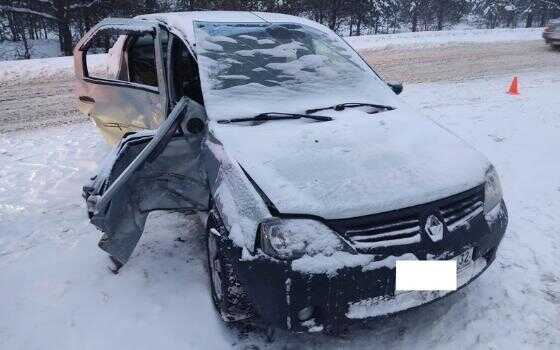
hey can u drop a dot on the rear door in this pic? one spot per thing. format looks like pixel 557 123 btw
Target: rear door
pixel 120 68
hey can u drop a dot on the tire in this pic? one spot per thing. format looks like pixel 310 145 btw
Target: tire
pixel 228 296
pixel 214 270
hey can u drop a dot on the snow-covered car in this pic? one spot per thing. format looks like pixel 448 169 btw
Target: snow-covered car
pixel 551 33
pixel 315 175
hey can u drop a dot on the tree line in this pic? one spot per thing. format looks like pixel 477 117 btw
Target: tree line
pixel 67 20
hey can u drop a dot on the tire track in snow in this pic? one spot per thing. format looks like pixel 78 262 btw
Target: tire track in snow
pixel 35 104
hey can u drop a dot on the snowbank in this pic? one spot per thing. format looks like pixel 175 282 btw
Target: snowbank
pixel 36 68
pixel 10 50
pixel 44 68
pixel 430 39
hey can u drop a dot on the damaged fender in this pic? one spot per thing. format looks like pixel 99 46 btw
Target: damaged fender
pixel 149 170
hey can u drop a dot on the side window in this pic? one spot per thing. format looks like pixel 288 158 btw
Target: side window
pixel 111 55
pixel 186 80
pixel 103 59
pixel 142 67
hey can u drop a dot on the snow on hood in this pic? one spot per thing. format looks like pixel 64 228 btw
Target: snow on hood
pixel 357 164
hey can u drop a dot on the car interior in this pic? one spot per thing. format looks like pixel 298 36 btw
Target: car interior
pixel 141 60
pixel 186 80
pixel 139 64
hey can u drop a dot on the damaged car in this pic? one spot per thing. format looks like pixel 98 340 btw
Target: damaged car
pixel 316 177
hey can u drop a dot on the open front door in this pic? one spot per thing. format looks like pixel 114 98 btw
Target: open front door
pixel 119 65
pixel 148 171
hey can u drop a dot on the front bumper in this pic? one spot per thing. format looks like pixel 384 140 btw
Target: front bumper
pixel 552 37
pixel 278 293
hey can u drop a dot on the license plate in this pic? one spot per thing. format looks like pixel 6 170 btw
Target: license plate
pixel 464 259
pixel 462 266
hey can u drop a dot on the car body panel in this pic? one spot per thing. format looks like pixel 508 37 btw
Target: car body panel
pixel 117 110
pixel 147 171
pixel 358 164
pixel 551 34
pixel 241 206
pixel 278 291
pixel 118 107
pixel 552 37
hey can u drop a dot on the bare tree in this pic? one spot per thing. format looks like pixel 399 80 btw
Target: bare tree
pixel 21 20
pixel 59 12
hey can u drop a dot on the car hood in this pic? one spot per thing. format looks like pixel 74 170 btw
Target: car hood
pixel 355 165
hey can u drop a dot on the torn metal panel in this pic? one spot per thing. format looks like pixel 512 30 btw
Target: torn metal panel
pixel 149 171
pixel 237 200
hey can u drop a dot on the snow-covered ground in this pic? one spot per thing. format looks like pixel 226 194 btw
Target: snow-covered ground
pixel 46 68
pixel 431 38
pixel 57 293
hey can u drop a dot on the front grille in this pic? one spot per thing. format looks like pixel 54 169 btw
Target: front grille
pixel 403 227
pixel 460 210
pixel 379 231
pixel 383 234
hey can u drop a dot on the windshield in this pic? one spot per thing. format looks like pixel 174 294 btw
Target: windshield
pixel 252 68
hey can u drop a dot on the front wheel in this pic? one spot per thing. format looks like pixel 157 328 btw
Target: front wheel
pixel 228 296
pixel 215 270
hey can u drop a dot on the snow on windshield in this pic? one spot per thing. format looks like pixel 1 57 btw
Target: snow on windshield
pixel 252 68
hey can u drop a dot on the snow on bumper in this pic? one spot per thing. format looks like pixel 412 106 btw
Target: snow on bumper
pixel 341 289
pixel 385 305
pixel 279 293
pixel 552 37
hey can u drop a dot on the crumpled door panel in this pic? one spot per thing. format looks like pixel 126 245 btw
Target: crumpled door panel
pixel 168 178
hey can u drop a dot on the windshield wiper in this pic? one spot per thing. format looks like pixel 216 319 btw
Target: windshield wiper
pixel 342 106
pixel 275 116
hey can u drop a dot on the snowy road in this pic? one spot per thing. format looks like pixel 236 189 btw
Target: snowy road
pixel 456 62
pixel 33 104
pixel 49 100
pixel 56 292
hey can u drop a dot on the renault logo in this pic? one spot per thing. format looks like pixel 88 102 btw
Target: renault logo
pixel 434 228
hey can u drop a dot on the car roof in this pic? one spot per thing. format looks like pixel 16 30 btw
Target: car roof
pixel 183 21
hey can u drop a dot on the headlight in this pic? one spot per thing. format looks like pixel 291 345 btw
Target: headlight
pixel 287 239
pixel 492 190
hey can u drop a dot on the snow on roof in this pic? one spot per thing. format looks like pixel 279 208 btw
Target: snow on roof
pixel 183 21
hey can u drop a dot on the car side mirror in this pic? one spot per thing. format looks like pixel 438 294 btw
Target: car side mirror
pixel 396 87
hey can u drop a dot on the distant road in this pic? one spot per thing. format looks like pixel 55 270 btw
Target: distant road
pixel 32 104
pixel 462 61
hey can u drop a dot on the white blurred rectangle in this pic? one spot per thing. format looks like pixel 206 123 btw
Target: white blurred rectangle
pixel 426 275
